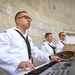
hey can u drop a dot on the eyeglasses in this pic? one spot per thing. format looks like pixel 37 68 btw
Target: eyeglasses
pixel 62 35
pixel 26 17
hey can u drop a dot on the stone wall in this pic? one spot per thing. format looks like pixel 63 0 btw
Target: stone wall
pixel 48 16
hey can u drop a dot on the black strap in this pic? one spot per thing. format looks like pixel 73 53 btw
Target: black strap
pixel 62 43
pixel 52 48
pixel 27 43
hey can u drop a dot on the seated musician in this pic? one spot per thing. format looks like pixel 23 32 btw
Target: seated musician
pixel 16 48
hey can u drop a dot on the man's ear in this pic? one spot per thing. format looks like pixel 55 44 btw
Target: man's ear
pixel 17 20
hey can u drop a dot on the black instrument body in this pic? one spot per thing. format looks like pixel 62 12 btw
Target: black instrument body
pixel 66 67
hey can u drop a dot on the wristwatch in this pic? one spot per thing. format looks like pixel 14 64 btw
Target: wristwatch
pixel 50 57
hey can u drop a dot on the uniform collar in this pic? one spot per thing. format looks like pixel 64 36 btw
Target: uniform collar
pixel 49 43
pixel 19 30
pixel 62 41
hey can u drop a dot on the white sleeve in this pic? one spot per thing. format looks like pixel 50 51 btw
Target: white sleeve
pixel 4 51
pixel 38 54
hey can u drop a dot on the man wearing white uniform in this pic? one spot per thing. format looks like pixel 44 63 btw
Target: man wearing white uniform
pixel 48 46
pixel 61 42
pixel 14 49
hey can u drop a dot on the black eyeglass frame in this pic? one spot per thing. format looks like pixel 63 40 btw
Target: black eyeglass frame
pixel 26 17
pixel 63 35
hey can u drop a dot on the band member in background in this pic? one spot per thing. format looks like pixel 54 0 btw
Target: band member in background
pixel 61 42
pixel 48 46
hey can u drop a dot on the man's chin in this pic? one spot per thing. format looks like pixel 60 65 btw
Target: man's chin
pixel 28 27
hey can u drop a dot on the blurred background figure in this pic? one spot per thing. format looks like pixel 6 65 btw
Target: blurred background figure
pixel 48 46
pixel 61 42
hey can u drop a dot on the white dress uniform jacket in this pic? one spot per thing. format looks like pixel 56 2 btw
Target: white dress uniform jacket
pixel 47 49
pixel 13 50
pixel 59 46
